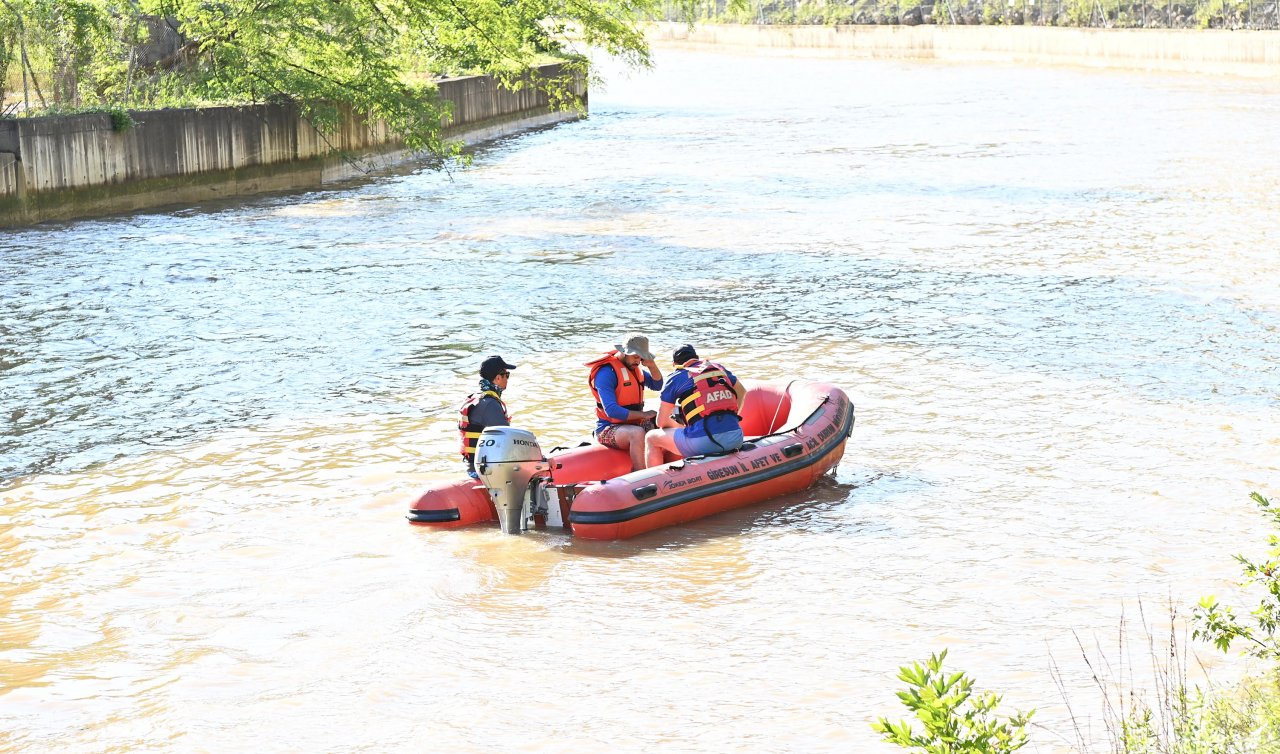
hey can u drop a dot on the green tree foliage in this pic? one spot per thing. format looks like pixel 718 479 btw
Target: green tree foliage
pixel 8 48
pixel 955 720
pixel 1220 625
pixel 378 57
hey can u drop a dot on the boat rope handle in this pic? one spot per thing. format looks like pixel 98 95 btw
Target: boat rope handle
pixel 797 427
pixel 785 392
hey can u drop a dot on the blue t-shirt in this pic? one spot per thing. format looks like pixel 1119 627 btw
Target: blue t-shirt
pixel 678 383
pixel 606 383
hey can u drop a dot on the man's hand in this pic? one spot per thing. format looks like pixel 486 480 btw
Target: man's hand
pixel 651 367
pixel 641 416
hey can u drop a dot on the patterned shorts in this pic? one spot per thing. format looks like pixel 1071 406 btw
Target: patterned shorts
pixel 608 436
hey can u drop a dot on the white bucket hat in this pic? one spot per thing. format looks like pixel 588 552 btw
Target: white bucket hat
pixel 637 345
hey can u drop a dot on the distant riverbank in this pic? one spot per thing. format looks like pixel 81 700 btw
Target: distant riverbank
pixel 1212 51
pixel 68 167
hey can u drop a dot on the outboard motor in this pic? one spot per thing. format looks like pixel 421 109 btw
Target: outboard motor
pixel 508 459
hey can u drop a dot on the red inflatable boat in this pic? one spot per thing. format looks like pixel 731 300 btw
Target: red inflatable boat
pixel 796 432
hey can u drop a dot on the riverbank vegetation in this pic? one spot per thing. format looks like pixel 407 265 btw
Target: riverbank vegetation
pixel 1149 14
pixel 380 57
pixel 953 716
pixel 1164 713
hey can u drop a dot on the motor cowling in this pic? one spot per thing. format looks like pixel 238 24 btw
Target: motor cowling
pixel 508 460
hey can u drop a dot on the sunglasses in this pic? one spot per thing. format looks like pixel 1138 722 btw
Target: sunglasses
pixel 503 374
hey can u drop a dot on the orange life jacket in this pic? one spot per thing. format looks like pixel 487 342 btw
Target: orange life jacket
pixel 630 392
pixel 710 394
pixel 469 431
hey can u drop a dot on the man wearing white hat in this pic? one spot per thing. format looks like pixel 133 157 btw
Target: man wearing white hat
pixel 617 383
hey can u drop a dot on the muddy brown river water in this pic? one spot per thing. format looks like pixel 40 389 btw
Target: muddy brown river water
pixel 1052 295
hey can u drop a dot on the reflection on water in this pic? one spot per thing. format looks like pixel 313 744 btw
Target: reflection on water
pixel 1050 293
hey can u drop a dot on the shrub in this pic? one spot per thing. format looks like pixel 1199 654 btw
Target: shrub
pixel 1219 624
pixel 955 719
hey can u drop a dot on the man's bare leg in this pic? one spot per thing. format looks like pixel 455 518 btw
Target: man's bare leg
pixel 631 439
pixel 657 443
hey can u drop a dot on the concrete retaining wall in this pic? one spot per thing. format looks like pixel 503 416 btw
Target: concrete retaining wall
pixel 78 166
pixel 1243 53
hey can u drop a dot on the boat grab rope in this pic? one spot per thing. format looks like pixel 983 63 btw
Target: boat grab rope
pixel 779 433
pixel 796 428
pixel 785 392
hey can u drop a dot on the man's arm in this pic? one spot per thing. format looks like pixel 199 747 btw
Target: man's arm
pixel 653 379
pixel 665 419
pixel 739 390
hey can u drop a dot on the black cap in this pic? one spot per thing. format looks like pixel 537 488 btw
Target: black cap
pixel 491 366
pixel 683 353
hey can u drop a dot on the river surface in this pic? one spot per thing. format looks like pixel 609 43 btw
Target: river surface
pixel 1052 295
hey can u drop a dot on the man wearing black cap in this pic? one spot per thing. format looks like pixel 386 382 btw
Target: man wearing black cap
pixel 699 410
pixel 484 409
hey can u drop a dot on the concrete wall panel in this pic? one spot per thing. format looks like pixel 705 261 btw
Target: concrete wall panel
pixel 8 176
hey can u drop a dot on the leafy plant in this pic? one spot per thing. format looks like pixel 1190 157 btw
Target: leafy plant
pixel 1218 624
pixel 955 719
pixel 121 120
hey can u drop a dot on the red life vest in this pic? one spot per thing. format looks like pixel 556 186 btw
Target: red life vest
pixel 470 433
pixel 630 392
pixel 710 394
